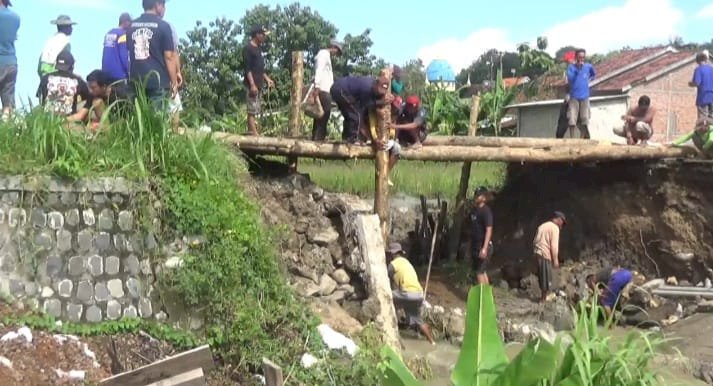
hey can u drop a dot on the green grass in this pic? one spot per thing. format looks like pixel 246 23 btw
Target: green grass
pixel 409 177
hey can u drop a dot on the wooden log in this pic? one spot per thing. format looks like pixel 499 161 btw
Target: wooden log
pixel 381 191
pixel 200 357
pixel 273 373
pixel 461 197
pixel 325 150
pixel 295 122
pixel 189 378
pixel 437 140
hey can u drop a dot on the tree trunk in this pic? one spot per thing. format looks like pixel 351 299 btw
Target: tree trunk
pixel 381 196
pixel 295 122
pixel 437 140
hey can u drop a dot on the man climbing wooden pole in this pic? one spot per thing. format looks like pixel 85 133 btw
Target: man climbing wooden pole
pixel 381 196
pixel 461 198
pixel 295 123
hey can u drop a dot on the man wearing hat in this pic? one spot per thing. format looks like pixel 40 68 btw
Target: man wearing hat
pixel 411 128
pixel 59 42
pixel 60 91
pixel 481 220
pixel 255 76
pixel 9 24
pixel 115 57
pixel 406 289
pixel 323 81
pixel 546 250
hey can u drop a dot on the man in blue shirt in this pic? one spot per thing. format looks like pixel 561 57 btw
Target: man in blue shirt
pixel 354 96
pixel 9 24
pixel 115 58
pixel 703 80
pixel 579 74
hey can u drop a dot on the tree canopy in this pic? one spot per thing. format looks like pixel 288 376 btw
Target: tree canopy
pixel 487 65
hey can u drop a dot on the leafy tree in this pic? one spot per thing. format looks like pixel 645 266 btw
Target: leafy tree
pixel 559 54
pixel 414 77
pixel 535 62
pixel 486 66
pixel 213 56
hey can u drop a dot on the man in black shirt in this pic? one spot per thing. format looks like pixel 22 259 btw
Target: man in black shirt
pixel 481 218
pixel 102 95
pixel 152 54
pixel 255 75
pixel 60 91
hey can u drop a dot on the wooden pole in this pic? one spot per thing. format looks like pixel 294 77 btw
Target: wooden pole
pixel 273 373
pixel 461 198
pixel 381 196
pixel 295 123
pixel 430 259
pixel 540 143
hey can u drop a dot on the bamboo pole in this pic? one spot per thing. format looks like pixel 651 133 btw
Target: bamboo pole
pixel 295 122
pixel 381 196
pixel 458 140
pixel 461 197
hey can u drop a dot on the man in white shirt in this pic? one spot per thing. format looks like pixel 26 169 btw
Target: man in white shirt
pixel 323 80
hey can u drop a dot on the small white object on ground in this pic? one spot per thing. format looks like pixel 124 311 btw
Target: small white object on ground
pixel 5 362
pixel 308 360
pixel 260 379
pixel 708 283
pixel 77 375
pixel 22 332
pixel 61 338
pixel 336 341
pixel 427 305
pixel 205 129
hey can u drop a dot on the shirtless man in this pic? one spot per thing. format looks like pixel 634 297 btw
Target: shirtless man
pixel 638 123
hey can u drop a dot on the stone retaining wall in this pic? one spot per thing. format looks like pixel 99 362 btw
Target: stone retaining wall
pixel 77 250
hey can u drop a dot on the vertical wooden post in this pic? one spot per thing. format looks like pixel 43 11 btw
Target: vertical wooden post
pixel 381 196
pixel 273 373
pixel 461 198
pixel 295 123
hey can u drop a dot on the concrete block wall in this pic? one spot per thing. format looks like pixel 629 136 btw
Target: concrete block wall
pixel 77 250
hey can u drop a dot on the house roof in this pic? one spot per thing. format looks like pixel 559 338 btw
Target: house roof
pixel 559 101
pixel 516 81
pixel 653 67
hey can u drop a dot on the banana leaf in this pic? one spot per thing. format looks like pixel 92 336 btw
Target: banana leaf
pixel 535 363
pixel 394 372
pixel 482 356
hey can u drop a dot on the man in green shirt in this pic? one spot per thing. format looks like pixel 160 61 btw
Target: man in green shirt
pixel 701 137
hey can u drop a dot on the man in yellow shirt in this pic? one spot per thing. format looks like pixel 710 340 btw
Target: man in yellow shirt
pixel 406 289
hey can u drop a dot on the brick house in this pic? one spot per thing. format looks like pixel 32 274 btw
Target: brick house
pixel 662 73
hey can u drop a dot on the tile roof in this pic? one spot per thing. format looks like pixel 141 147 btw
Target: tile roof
pixel 639 73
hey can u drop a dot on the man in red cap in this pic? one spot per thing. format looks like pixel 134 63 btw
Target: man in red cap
pixel 411 125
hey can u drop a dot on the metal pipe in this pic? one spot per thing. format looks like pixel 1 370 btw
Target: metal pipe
pixel 683 293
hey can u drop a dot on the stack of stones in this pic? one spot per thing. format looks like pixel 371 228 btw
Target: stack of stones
pixel 76 250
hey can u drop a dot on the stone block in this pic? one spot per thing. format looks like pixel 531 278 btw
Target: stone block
pixel 117 199
pixel 146 267
pixel 145 308
pixel 11 198
pixel 2 216
pixel 46 293
pixel 113 310
pixel 120 243
pixel 93 314
pixel 105 222
pixel 96 265
pixel 116 288
pixel 131 265
pixel 103 241
pixel 136 244
pixel 16 287
pixel 88 217
pixel 130 312
pixel 126 220
pixel 150 242
pixel 161 316
pixel 52 200
pixel 77 265
pixel 69 198
pixel 54 266
pixel 53 307
pixel 64 288
pixel 85 241
pixel 101 292
pixel 17 217
pixel 74 312
pixel 85 291
pixel 112 265
pixel 64 240
pixel 327 285
pixel 71 218
pixel 101 198
pixel 38 218
pixel 55 220
pixel 31 289
pixel 133 287
pixel 44 240
pixel 341 277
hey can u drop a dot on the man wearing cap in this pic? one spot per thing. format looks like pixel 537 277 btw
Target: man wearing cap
pixel 546 251
pixel 411 128
pixel 608 284
pixel 56 44
pixel 255 76
pixel 481 220
pixel 323 81
pixel 9 25
pixel 355 96
pixel 406 289
pixel 115 57
pixel 60 91
pixel 152 54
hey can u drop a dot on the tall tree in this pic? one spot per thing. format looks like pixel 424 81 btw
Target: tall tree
pixel 559 54
pixel 414 77
pixel 535 62
pixel 488 64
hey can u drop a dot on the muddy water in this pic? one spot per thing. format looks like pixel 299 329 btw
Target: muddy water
pixel 443 356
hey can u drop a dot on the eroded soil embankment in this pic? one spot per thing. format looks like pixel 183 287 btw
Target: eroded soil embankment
pixel 645 216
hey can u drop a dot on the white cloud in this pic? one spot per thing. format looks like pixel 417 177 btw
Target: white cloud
pixel 89 4
pixel 460 53
pixel 635 23
pixel 706 12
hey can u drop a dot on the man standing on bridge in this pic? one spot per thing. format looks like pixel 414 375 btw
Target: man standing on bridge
pixel 703 81
pixel 579 74
pixel 255 75
pixel 546 251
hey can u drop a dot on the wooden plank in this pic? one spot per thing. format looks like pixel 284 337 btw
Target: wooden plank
pixel 273 373
pixel 295 122
pixel 381 166
pixel 200 357
pixel 459 140
pixel 194 377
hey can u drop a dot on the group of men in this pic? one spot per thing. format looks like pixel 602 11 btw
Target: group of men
pixel 140 56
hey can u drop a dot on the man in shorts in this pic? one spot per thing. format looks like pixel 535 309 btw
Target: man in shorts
pixel 481 219
pixel 608 284
pixel 255 75
pixel 406 289
pixel 579 74
pixel 638 123
pixel 546 251
pixel 9 25
pixel 703 82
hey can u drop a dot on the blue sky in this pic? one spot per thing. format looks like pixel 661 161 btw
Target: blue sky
pixel 455 30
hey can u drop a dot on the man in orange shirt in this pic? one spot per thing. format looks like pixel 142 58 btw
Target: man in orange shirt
pixel 546 250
